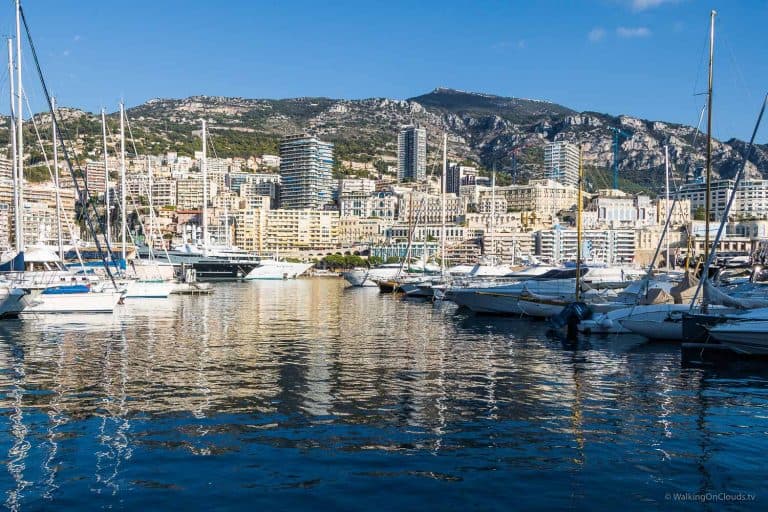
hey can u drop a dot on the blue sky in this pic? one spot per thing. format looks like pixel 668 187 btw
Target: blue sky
pixel 639 57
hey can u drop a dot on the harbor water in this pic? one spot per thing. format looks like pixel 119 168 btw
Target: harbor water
pixel 306 394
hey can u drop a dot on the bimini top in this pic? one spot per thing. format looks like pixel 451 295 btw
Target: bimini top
pixel 40 254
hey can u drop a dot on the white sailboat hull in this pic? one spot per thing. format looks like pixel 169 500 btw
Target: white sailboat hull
pixel 504 299
pixel 657 321
pixel 86 302
pixel 148 289
pixel 488 302
pixel 541 309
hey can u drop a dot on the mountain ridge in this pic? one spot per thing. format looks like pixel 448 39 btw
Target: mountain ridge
pixel 493 131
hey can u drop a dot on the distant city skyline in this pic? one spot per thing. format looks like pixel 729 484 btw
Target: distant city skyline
pixel 644 58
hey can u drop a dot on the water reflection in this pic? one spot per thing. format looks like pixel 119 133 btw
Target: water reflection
pixel 263 385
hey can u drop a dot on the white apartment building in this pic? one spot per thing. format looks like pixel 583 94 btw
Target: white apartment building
pixel 459 175
pixel 356 230
pixel 96 178
pixel 545 198
pixel 751 199
pixel 383 205
pixel 412 154
pixel 181 165
pixel 427 208
pixel 561 163
pixel 189 191
pixel 270 160
pixel 288 231
pixel 614 208
pixel 348 186
pixel 609 246
pixel 5 227
pixel 6 168
pixel 306 169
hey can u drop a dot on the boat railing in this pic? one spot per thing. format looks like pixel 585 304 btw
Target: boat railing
pixel 41 279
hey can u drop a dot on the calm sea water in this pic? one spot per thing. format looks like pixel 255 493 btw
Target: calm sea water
pixel 306 395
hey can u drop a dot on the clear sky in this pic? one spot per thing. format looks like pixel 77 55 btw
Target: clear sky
pixel 640 57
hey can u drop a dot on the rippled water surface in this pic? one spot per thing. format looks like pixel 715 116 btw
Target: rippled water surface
pixel 306 394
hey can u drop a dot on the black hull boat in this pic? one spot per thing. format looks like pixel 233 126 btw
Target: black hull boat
pixel 222 270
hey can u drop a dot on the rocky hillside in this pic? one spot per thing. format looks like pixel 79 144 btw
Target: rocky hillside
pixel 508 133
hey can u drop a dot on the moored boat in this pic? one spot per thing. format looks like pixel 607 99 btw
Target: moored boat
pixel 271 269
pixel 73 299
pixel 746 337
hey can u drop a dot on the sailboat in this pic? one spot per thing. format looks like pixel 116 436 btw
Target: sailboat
pixel 51 287
pixel 670 326
pixel 425 288
pixel 221 262
pixel 141 286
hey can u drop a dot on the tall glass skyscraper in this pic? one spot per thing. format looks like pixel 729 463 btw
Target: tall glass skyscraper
pixel 306 171
pixel 412 154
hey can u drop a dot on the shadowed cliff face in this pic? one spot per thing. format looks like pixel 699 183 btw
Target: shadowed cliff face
pixel 507 132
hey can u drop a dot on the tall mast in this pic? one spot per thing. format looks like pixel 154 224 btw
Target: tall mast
pixel 666 179
pixel 151 207
pixel 106 174
pixel 709 130
pixel 578 229
pixel 493 210
pixel 204 171
pixel 123 217
pixel 226 225
pixel 17 215
pixel 442 202
pixel 19 132
pixel 59 213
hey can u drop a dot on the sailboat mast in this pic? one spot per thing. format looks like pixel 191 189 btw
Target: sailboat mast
pixel 123 216
pixel 59 213
pixel 106 174
pixel 493 210
pixel 19 133
pixel 151 208
pixel 666 180
pixel 578 228
pixel 12 131
pixel 226 224
pixel 709 131
pixel 442 202
pixel 204 171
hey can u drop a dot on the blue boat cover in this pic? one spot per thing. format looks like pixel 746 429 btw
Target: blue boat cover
pixel 14 265
pixel 61 290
